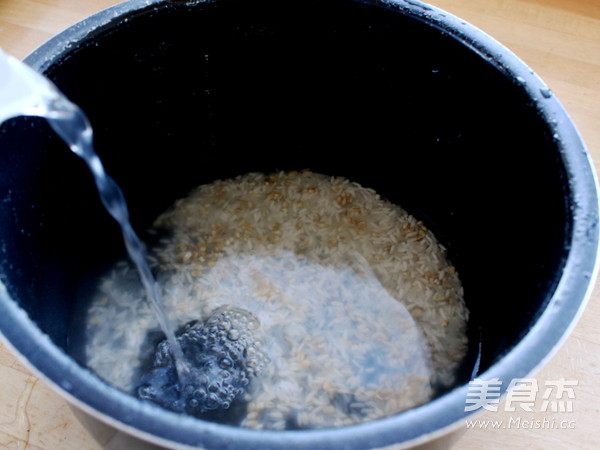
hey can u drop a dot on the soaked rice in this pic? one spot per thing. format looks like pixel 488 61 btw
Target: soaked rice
pixel 360 312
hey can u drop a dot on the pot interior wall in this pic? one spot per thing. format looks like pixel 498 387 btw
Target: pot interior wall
pixel 185 95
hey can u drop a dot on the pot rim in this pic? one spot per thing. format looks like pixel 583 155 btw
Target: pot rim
pixel 412 427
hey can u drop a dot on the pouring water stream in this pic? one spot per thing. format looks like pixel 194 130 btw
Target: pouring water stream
pixel 25 92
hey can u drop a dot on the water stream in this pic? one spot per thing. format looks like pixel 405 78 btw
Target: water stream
pixel 25 92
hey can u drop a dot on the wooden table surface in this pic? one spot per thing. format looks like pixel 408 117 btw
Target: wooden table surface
pixel 558 39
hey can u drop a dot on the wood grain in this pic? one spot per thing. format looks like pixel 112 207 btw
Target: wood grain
pixel 558 39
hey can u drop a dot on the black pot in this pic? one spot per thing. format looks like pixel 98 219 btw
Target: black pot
pixel 396 95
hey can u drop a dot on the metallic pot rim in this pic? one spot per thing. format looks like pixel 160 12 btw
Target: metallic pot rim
pixel 413 427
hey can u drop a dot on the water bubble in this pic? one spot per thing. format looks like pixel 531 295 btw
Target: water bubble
pixel 219 369
pixel 546 92
pixel 146 392
pixel 225 363
pixel 233 334
pixel 200 393
pixel 212 402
